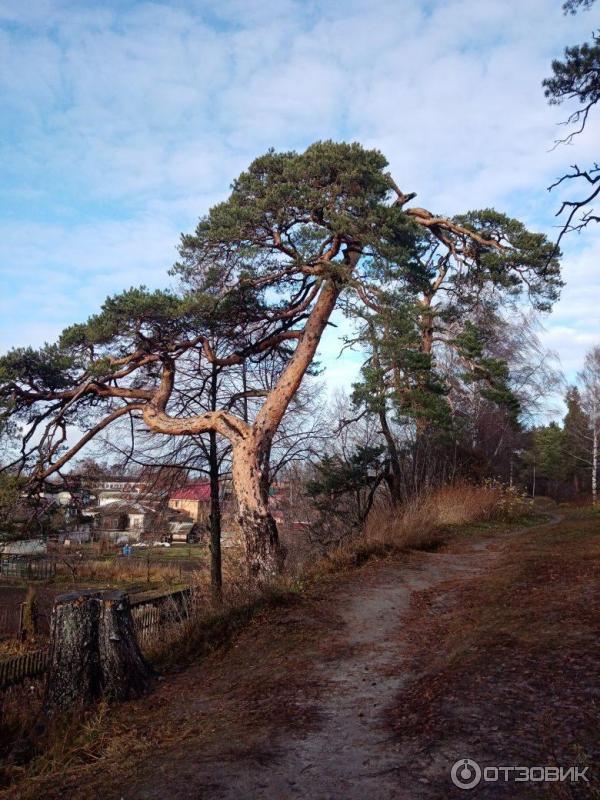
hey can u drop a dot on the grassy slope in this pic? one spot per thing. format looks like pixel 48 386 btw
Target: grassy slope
pixel 510 666
pixel 528 629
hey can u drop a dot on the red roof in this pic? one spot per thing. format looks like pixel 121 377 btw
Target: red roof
pixel 195 491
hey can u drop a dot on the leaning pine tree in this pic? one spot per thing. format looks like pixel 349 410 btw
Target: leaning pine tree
pixel 268 266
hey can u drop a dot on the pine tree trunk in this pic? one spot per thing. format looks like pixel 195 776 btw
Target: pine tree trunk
pixel 394 479
pixel 263 554
pixel 93 651
pixel 216 572
pixel 216 569
pixel 262 543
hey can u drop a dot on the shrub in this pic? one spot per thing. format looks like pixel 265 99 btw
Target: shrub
pixel 422 523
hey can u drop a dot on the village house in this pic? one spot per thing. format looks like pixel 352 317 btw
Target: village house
pixel 134 522
pixel 122 488
pixel 194 500
pixel 119 520
pixel 182 528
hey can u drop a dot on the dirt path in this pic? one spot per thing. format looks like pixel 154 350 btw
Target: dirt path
pixel 349 753
pixel 299 706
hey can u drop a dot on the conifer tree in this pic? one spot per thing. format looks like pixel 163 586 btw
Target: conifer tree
pixel 299 234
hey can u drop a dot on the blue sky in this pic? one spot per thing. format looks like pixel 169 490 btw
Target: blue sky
pixel 122 122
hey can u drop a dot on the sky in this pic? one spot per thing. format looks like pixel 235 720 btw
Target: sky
pixel 123 122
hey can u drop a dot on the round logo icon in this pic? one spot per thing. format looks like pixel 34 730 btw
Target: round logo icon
pixel 465 773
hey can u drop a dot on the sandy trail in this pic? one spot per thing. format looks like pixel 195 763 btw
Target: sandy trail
pixel 299 707
pixel 350 753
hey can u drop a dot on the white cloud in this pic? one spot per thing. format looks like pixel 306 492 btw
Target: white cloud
pixel 125 121
pixel 574 326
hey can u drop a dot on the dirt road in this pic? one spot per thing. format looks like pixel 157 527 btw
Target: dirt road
pixel 348 751
pixel 307 702
pixel 350 754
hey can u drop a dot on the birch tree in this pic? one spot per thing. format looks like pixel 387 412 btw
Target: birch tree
pixel 590 381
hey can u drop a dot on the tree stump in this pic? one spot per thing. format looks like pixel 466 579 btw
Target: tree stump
pixel 93 651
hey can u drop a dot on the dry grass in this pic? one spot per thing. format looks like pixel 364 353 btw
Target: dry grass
pixel 40 746
pixel 425 523
pixel 505 662
pixel 206 621
pixel 32 746
pixel 118 571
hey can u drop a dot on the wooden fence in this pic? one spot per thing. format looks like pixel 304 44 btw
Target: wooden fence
pixel 27 665
pixel 146 618
pixel 148 611
pixel 11 620
pixel 33 569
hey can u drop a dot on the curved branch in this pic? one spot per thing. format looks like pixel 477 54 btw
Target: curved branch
pixel 248 393
pixel 88 388
pixel 223 422
pixel 156 418
pixel 425 218
pixel 274 407
pixel 240 357
pixel 120 412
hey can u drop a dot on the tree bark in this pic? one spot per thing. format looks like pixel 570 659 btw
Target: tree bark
pixel 93 651
pixel 422 423
pixel 251 443
pixel 216 571
pixel 394 476
pixel 427 331
pixel 263 553
pixel 258 526
pixel 394 479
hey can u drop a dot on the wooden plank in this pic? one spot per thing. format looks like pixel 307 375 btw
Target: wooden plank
pixel 27 665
